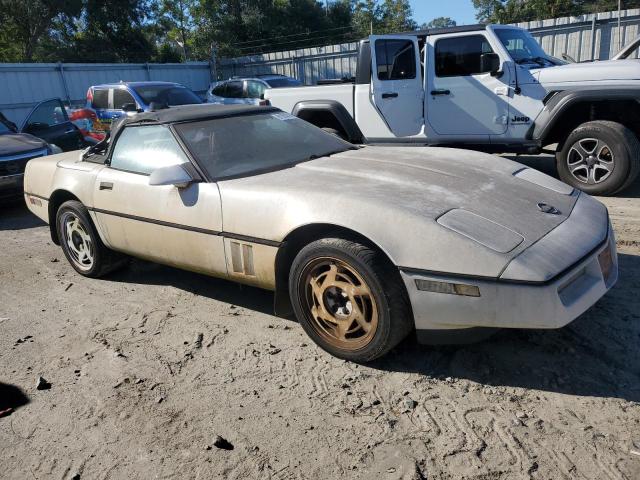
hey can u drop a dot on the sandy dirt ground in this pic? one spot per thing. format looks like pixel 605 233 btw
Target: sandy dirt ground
pixel 148 366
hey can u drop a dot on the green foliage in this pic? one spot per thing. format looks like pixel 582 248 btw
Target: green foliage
pixel 512 11
pixel 439 22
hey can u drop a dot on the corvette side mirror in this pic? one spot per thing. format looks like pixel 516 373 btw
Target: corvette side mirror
pixel 175 175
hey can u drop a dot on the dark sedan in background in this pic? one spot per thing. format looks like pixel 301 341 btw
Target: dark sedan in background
pixel 47 129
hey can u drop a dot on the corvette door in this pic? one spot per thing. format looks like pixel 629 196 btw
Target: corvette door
pixel 166 224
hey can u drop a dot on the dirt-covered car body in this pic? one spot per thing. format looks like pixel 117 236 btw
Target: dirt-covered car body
pixel 478 241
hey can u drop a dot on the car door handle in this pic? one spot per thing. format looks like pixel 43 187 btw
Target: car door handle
pixel 71 130
pixel 389 95
pixel 441 91
pixel 106 186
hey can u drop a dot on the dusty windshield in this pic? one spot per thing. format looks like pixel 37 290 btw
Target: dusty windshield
pixel 523 48
pixel 251 144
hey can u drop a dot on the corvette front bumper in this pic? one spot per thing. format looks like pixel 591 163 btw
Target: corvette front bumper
pixel 512 304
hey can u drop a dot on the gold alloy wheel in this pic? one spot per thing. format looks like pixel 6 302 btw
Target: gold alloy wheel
pixel 339 302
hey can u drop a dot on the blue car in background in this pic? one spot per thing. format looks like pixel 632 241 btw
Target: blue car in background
pixel 113 100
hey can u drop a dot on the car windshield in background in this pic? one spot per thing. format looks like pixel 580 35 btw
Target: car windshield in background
pixel 169 95
pixel 522 47
pixel 4 128
pixel 283 82
pixel 251 144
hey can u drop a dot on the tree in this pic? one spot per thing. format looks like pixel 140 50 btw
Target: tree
pixel 26 23
pixel 439 22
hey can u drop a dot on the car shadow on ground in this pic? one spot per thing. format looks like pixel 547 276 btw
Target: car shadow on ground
pixel 596 355
pixel 11 398
pixel 14 215
pixel 148 273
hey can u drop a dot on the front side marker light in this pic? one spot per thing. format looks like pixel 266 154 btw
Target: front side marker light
pixel 448 288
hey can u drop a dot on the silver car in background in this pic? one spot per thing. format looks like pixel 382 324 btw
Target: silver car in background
pixel 247 91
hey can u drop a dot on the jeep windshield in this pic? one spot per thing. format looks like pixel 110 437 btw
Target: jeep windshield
pixel 171 95
pixel 251 144
pixel 523 48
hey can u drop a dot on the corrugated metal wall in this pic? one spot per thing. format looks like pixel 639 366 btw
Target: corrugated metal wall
pixel 570 35
pixel 307 64
pixel 22 85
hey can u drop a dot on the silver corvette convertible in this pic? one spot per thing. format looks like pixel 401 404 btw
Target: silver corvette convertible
pixel 363 245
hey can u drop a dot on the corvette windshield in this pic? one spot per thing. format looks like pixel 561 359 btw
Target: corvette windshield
pixel 251 144
pixel 522 47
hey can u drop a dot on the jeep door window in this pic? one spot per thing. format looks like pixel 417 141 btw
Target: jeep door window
pixel 171 95
pixel 121 97
pixel 460 56
pixel 100 99
pixel 143 149
pixel 396 59
pixel 250 144
pixel 522 46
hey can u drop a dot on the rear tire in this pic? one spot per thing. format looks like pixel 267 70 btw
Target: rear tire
pixel 81 243
pixel 349 299
pixel 599 158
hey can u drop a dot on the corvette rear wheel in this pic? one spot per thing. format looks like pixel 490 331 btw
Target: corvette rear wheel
pixel 348 299
pixel 81 243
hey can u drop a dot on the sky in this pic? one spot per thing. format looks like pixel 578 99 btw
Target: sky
pixel 461 11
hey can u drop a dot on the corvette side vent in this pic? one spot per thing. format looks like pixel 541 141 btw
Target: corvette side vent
pixel 242 258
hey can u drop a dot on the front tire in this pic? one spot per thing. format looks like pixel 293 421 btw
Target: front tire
pixel 81 243
pixel 600 158
pixel 349 299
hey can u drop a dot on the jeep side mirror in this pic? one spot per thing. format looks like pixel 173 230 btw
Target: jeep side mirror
pixel 490 62
pixel 175 175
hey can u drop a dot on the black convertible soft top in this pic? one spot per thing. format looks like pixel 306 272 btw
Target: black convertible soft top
pixel 178 114
pixel 191 113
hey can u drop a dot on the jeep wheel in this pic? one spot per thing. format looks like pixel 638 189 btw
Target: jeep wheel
pixel 349 299
pixel 600 158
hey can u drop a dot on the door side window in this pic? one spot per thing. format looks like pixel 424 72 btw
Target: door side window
pixel 48 114
pixel 100 98
pixel 395 59
pixel 144 149
pixel 255 89
pixel 121 97
pixel 234 90
pixel 220 90
pixel 460 56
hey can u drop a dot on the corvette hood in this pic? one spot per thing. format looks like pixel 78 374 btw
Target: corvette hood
pixel 576 73
pixel 415 203
pixel 17 143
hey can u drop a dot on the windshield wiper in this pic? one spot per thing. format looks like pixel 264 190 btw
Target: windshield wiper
pixel 539 60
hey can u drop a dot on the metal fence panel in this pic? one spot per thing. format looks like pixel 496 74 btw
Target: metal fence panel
pixel 586 37
pixel 22 85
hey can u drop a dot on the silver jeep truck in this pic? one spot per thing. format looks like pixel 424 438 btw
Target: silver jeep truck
pixel 490 88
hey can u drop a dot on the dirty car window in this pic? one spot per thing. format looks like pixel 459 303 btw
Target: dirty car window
pixel 242 145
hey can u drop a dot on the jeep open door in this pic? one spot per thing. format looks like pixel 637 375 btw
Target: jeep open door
pixel 49 121
pixel 397 85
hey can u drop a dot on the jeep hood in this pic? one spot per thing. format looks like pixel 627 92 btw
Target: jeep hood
pixel 413 202
pixel 588 72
